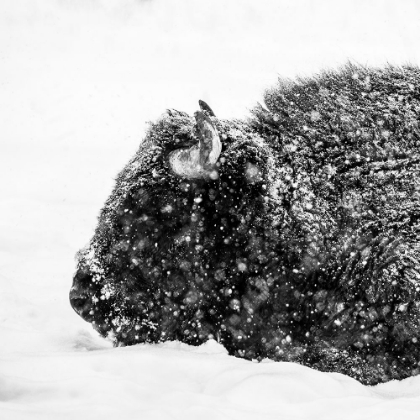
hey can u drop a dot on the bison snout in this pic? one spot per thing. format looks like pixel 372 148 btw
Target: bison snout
pixel 81 303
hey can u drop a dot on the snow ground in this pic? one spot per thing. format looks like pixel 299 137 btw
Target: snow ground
pixel 78 81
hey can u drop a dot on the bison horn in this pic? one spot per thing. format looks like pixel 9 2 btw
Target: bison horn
pixel 205 107
pixel 199 160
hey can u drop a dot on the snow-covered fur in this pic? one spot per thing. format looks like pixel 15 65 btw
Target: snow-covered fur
pixel 304 248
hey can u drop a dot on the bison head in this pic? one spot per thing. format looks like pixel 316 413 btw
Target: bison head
pixel 182 247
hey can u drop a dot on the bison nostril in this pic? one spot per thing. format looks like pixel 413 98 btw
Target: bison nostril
pixel 79 302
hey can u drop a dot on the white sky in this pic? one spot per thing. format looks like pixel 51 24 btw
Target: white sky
pixel 79 78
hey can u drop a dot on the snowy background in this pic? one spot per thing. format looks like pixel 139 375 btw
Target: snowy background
pixel 79 79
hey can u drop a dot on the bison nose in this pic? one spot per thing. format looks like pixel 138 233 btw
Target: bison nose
pixel 80 302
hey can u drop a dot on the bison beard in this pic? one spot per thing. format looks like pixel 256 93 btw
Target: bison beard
pixel 301 243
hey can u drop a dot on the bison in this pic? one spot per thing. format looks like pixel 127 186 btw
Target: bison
pixel 292 235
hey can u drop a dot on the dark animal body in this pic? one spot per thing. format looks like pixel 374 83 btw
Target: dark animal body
pixel 298 240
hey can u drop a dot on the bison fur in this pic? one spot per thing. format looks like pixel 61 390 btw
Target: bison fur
pixel 298 240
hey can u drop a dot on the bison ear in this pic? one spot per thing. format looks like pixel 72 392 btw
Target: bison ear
pixel 199 160
pixel 205 108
